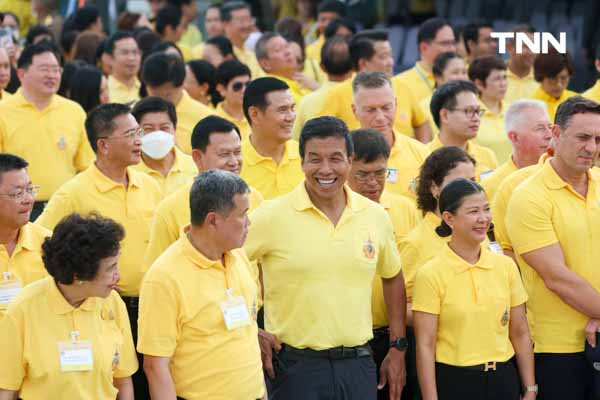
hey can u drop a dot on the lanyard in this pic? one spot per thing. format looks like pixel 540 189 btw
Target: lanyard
pixel 424 78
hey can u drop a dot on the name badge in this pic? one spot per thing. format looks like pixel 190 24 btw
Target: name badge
pixel 75 355
pixel 392 175
pixel 495 247
pixel 235 312
pixel 485 174
pixel 9 289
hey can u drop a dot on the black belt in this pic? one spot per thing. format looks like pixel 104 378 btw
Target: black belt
pixel 335 353
pixel 131 302
pixel 485 367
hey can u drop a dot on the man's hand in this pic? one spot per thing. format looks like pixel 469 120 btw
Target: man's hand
pixel 591 328
pixel 529 396
pixel 393 373
pixel 268 343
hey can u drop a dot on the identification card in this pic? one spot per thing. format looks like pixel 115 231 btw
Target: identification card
pixel 495 247
pixel 8 291
pixel 76 356
pixel 392 175
pixel 235 312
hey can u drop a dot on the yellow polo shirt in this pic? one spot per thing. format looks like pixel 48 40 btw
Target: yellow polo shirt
pixel 119 93
pixel 485 158
pixel 473 303
pixel 424 104
pixel 406 157
pixel 297 91
pixel 189 112
pixel 309 106
pixel 242 124
pixel 38 319
pixel 551 102
pixel 191 37
pixel 132 207
pixel 247 57
pixel 592 93
pixel 491 133
pixel 493 181
pixel 420 82
pixel 317 286
pixel 519 88
pixel 313 50
pixel 270 179
pixel 546 210
pixel 404 217
pixel 172 214
pixel 53 139
pixel 181 318
pixel 5 95
pixel 183 171
pixel 313 70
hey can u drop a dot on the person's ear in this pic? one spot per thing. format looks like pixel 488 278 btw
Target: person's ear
pixel 198 158
pixel 448 218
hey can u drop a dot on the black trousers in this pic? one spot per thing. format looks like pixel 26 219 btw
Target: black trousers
pixel 564 376
pixel 304 378
pixel 380 345
pixel 458 383
pixel 140 383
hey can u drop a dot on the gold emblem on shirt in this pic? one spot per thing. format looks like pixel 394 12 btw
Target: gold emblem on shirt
pixel 504 320
pixel 116 359
pixel 369 249
pixel 62 143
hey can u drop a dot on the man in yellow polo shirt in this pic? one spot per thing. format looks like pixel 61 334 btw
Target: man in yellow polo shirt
pixel 367 177
pixel 478 40
pixel 161 159
pixel 272 162
pixel 238 23
pixel 198 302
pixel 125 60
pixel 520 68
pixel 164 75
pixel 370 51
pixel 327 11
pixel 552 222
pixel 318 284
pixel 216 144
pixel 170 26
pixel 43 127
pixel 20 240
pixel 374 106
pixel 435 36
pixel 114 190
pixel 457 113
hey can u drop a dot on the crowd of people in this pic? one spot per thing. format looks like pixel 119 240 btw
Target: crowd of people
pixel 248 215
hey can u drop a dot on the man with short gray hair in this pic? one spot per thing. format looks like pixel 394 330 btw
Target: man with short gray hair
pixel 197 321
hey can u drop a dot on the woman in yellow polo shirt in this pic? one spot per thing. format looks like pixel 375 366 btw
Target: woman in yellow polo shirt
pixel 469 310
pixel 67 336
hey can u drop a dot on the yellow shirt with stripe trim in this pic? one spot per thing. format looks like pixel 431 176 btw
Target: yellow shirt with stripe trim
pixel 519 88
pixel 180 318
pixel 492 181
pixel 551 102
pixel 53 138
pixel 546 210
pixel 189 112
pixel 419 82
pixel 133 207
pixel 406 157
pixel 491 133
pixel 271 179
pixel 242 124
pixel 119 93
pixel 38 319
pixel 182 171
pixel 321 298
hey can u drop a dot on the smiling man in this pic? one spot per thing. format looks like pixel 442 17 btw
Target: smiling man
pixel 317 287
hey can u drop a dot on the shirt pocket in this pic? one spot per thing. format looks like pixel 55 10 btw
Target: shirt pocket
pixel 366 247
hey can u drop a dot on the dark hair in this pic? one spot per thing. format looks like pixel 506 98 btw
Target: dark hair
pixel 260 49
pixel 179 3
pixel 335 56
pixel 434 169
pixel 161 68
pixel 445 97
pixel 451 199
pixel 127 21
pixel 85 87
pixel 206 127
pixel 154 104
pixel 165 45
pixel 551 64
pixel 332 6
pixel 12 14
pixel 35 31
pixel 369 145
pixel 229 7
pixel 169 15
pixel 86 46
pixel 146 40
pixel 27 55
pixel 100 122
pixel 429 29
pixel 69 70
pixel 114 38
pixel 84 17
pixel 100 50
pixel 481 67
pixel 291 30
pixel 205 72
pixel 256 93
pixel 77 246
pixel 222 44
pixel 325 127
pixel 334 25
pixel 10 162
pixel 470 32
pixel 362 45
pixel 572 106
pixel 214 191
pixel 441 61
pixel 231 69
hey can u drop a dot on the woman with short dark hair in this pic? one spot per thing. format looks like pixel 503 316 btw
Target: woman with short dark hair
pixel 89 88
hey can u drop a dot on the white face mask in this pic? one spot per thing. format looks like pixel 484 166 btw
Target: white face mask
pixel 157 144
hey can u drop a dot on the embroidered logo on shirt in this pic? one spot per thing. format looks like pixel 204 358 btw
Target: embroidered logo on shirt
pixel 116 359
pixel 62 143
pixel 504 320
pixel 369 249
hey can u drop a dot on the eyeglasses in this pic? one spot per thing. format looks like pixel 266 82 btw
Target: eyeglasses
pixel 471 112
pixel 237 86
pixel 379 176
pixel 127 135
pixel 126 52
pixel 445 43
pixel 19 195
pixel 49 69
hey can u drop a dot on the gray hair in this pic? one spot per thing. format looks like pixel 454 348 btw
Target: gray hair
pixel 515 115
pixel 370 80
pixel 260 49
pixel 213 191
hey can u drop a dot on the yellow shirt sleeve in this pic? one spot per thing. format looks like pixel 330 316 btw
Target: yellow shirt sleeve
pixel 427 295
pixel 388 262
pixel 59 206
pixel 419 117
pixel 128 362
pixel 162 235
pixel 408 255
pixel 85 155
pixel 518 295
pixel 12 367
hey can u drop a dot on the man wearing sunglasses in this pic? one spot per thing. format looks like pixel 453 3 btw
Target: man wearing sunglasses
pixel 232 79
pixel 457 113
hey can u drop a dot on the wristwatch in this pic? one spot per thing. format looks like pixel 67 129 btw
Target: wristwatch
pixel 532 388
pixel 399 344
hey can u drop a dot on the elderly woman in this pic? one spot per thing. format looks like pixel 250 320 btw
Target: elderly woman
pixel 68 336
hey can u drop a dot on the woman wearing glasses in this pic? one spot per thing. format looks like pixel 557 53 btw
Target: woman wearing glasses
pixel 469 310
pixel 67 336
pixel 232 79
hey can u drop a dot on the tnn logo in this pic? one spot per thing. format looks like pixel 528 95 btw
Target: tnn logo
pixel 539 45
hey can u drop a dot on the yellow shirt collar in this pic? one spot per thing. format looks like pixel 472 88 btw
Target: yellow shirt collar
pixel 427 75
pixel 105 184
pixel 21 101
pixel 487 110
pixel 116 84
pixel 302 202
pixel 251 156
pixel 199 259
pixel 27 238
pixel 460 265
pixel 512 75
pixel 554 182
pixel 436 143
pixel 59 305
pixel 176 167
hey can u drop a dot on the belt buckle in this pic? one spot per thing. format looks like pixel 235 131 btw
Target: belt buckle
pixel 489 366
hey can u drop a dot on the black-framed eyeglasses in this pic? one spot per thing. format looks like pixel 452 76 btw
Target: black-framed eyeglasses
pixel 471 112
pixel 380 175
